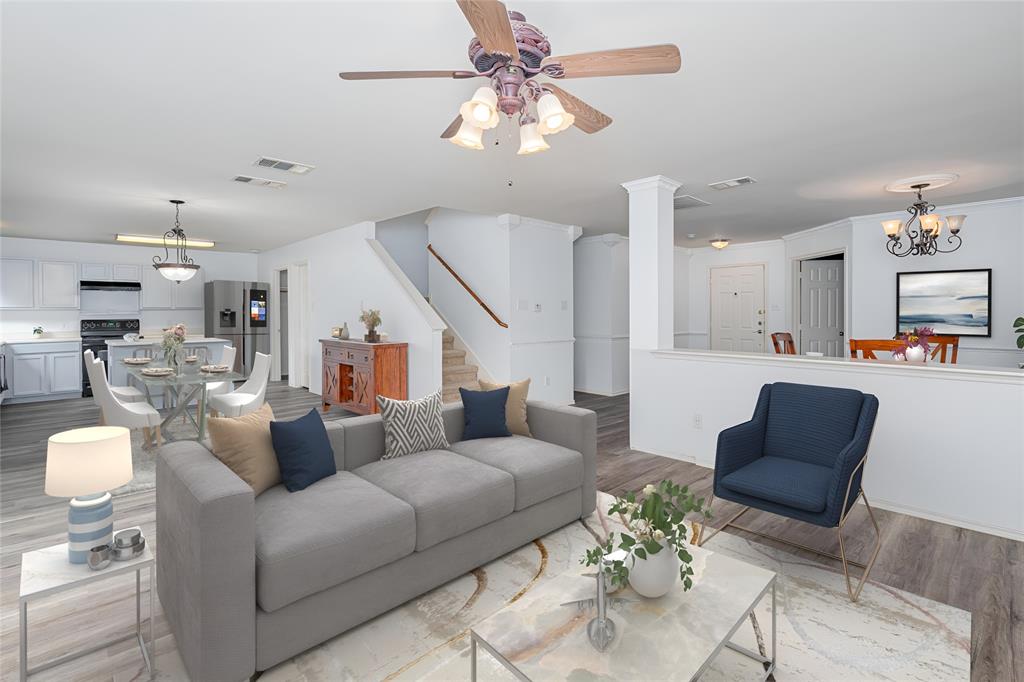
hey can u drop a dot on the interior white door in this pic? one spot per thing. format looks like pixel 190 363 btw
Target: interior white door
pixel 821 307
pixel 737 308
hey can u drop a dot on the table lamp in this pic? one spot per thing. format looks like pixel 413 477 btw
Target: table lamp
pixel 84 464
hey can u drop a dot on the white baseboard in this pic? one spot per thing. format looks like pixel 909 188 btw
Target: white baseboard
pixel 601 393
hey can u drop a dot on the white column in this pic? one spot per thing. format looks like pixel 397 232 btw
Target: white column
pixel 651 262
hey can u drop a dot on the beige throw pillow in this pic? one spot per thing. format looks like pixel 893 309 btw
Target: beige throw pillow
pixel 515 408
pixel 244 445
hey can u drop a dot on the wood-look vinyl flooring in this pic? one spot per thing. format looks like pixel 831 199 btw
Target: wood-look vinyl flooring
pixel 980 573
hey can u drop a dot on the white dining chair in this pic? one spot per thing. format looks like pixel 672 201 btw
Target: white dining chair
pixel 126 394
pixel 117 413
pixel 249 396
pixel 222 387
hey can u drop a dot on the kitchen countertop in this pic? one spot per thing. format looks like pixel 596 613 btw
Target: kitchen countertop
pixel 149 341
pixel 44 339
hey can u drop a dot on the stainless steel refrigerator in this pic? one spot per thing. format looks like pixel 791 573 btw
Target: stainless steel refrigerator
pixel 239 312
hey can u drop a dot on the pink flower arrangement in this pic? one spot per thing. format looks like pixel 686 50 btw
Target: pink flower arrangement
pixel 913 339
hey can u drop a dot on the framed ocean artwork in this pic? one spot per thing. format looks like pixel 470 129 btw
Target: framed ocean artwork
pixel 954 302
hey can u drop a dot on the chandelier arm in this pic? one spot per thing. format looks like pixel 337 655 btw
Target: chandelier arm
pixel 950 239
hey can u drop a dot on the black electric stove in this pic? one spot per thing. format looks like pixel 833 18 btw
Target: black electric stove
pixel 95 334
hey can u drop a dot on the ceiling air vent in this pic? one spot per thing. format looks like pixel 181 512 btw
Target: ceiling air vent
pixel 278 164
pixel 735 182
pixel 260 182
pixel 688 201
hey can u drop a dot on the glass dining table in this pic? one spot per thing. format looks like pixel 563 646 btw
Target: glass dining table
pixel 188 384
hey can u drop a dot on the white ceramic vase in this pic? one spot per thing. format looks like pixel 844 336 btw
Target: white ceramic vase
pixel 656 575
pixel 915 354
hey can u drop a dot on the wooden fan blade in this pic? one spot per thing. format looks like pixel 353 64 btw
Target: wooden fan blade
pixel 377 75
pixel 452 128
pixel 630 61
pixel 588 119
pixel 489 21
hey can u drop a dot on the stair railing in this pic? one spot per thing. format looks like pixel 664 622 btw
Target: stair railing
pixel 465 286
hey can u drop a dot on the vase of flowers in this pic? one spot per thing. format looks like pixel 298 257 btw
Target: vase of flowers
pixel 371 320
pixel 655 542
pixel 1018 329
pixel 173 344
pixel 914 344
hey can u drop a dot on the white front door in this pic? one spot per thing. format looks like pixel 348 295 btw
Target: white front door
pixel 737 308
pixel 821 307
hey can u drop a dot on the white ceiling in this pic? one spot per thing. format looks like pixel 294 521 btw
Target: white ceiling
pixel 110 109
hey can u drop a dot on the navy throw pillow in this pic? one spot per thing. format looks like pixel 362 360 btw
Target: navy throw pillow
pixel 303 451
pixel 485 413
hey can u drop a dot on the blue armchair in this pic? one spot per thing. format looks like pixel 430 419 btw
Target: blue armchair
pixel 801 456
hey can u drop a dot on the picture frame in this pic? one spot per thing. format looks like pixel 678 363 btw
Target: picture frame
pixel 952 302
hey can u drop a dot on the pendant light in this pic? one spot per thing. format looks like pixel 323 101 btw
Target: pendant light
pixel 183 268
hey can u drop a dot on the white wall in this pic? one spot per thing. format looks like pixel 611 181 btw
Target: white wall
pixel 601 315
pixel 970 450
pixel 522 269
pixel 347 274
pixel 405 239
pixel 993 237
pixel 681 301
pixel 213 265
pixel 771 254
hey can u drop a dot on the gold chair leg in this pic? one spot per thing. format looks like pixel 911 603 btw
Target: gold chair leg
pixel 146 436
pixel 100 421
pixel 700 534
pixel 855 594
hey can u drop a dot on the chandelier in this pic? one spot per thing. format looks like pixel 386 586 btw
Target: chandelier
pixel 923 230
pixel 182 268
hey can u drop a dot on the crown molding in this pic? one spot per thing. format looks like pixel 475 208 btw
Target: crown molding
pixel 655 181
pixel 610 239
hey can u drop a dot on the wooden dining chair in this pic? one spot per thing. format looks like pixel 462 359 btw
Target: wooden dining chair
pixel 783 342
pixel 868 347
pixel 941 344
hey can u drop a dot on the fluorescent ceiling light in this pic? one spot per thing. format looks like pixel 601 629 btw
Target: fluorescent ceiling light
pixel 148 239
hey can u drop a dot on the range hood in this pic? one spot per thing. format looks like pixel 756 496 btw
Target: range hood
pixel 87 285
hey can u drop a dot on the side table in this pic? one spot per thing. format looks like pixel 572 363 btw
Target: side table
pixel 47 571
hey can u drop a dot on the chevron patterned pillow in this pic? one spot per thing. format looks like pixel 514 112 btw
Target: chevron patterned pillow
pixel 412 425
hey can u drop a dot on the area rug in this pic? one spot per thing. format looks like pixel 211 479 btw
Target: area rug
pixel 888 635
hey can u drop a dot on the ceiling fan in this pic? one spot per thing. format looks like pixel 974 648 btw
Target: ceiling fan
pixel 511 53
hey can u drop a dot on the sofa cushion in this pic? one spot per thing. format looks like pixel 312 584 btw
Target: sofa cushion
pixel 303 451
pixel 451 494
pixel 541 470
pixel 515 407
pixel 412 425
pixel 244 445
pixel 337 528
pixel 784 481
pixel 485 413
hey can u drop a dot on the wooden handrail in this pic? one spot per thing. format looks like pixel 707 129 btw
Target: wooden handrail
pixel 465 286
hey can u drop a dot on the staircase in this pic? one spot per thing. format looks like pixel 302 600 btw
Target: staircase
pixel 455 372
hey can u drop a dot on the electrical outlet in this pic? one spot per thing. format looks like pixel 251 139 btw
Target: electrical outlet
pixel 698 421
pixel 547 381
pixel 536 307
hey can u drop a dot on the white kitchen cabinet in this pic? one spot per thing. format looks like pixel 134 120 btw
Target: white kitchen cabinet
pixel 125 272
pixel 17 282
pixel 95 272
pixel 156 290
pixel 44 371
pixel 189 294
pixel 28 375
pixel 58 284
pixel 64 371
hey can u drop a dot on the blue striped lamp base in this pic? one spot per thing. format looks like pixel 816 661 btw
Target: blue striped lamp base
pixel 90 523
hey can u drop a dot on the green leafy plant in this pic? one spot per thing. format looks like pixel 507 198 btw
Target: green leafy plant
pixel 656 521
pixel 371 319
pixel 1018 328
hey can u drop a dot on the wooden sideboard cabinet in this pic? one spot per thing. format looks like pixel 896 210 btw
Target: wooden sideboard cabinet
pixel 355 373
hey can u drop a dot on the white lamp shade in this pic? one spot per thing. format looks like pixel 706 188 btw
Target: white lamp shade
pixel 88 461
pixel 955 222
pixel 177 273
pixel 892 227
pixel 553 117
pixel 530 140
pixel 482 110
pixel 468 136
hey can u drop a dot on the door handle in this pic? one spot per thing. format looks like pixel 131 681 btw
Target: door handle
pixel 760 332
pixel 842 333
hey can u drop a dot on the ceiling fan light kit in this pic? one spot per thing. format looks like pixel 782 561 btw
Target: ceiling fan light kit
pixel 512 53
pixel 923 240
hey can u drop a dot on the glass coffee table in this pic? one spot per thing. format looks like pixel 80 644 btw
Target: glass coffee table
pixel 675 637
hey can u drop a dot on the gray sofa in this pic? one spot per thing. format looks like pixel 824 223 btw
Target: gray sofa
pixel 247 582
